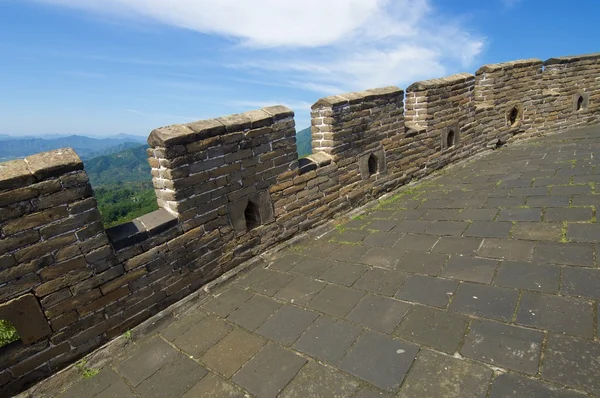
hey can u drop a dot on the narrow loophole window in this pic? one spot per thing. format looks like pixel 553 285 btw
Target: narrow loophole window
pixel 8 333
pixel 580 103
pixel 450 139
pixel 514 114
pixel 373 165
pixel 252 216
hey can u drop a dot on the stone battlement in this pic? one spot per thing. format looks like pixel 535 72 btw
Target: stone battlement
pixel 232 187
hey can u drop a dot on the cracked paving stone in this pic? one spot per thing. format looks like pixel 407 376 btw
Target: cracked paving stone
pixel 381 257
pixel 421 263
pixel 318 381
pixel 514 385
pixel 214 387
pixel 537 231
pixel 568 214
pixel 556 313
pixel 584 232
pixel 488 229
pixel 581 282
pixel 381 281
pixel 456 245
pixel 470 269
pixel 148 359
pixel 336 300
pixel 300 290
pixel 327 339
pixel 199 339
pixel 351 236
pixel 265 281
pixel 254 312
pixel 119 389
pixel 344 273
pixel 528 276
pixel 504 345
pixel 416 242
pixel 564 253
pixel 437 375
pixel 312 266
pixel 380 313
pixel 438 329
pixel 269 371
pixel 485 301
pixel 348 253
pixel 573 362
pixel 287 324
pixel 427 290
pixel 380 360
pixel 506 249
pixel 382 239
pixel 227 302
pixel 160 385
pixel 286 262
pixel 234 350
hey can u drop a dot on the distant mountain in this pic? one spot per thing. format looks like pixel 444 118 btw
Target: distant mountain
pixel 129 165
pixel 86 147
pixel 304 142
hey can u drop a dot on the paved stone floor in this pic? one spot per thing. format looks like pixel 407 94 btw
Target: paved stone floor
pixel 481 282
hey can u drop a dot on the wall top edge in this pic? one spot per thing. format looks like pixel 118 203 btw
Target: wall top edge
pixel 355 97
pixel 522 63
pixel 572 58
pixel 441 82
pixel 17 173
pixel 181 134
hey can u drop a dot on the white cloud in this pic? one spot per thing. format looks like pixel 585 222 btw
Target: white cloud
pixel 325 46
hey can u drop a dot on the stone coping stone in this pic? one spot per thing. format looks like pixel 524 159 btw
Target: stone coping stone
pixel 441 82
pixel 359 96
pixel 314 161
pixel 181 134
pixel 572 58
pixel 141 228
pixel 21 172
pixel 523 63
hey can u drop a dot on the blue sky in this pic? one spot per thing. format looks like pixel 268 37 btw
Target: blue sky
pixel 104 67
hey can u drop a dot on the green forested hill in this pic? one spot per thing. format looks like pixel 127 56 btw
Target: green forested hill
pixel 304 142
pixel 130 165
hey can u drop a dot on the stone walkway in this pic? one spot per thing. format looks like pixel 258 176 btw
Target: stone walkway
pixel 482 282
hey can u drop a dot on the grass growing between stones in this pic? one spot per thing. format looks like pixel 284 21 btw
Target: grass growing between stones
pixel 86 372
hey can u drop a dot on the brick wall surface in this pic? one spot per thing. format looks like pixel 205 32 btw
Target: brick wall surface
pixel 231 187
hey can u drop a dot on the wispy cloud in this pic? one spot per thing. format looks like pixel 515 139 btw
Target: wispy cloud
pixel 324 46
pixel 87 75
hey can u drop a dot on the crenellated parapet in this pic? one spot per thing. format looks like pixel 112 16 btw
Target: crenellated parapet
pixel 230 188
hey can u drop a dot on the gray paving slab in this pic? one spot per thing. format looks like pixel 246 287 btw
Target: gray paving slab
pixel 421 263
pixel 504 345
pixel 580 254
pixel 506 249
pixel 379 313
pixel 485 301
pixel 434 328
pixel 489 229
pixel 227 301
pixel 514 385
pixel 92 386
pixel 528 276
pixel 328 339
pixel 465 268
pixel 234 350
pixel 427 290
pixel 146 361
pixel 556 313
pixel 336 300
pixel 457 245
pixel 318 381
pixel 572 361
pixel 254 312
pixel 344 273
pixel 264 281
pixel 416 242
pixel 214 387
pixel 173 379
pixel 381 281
pixel 269 371
pixel 437 375
pixel 582 282
pixel 300 290
pixel 348 253
pixel 198 340
pixel 380 360
pixel 287 324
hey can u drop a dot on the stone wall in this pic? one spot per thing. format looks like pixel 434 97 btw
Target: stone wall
pixel 232 187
